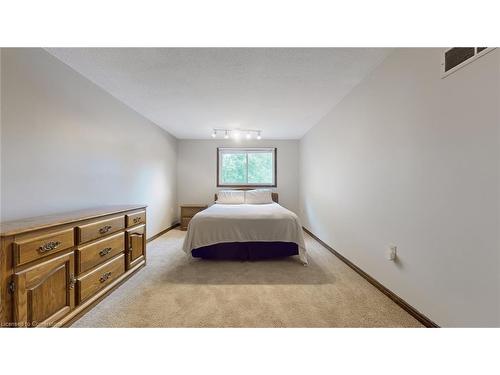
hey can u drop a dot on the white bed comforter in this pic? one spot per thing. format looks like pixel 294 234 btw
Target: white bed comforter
pixel 244 223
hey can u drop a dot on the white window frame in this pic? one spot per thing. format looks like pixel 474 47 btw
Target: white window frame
pixel 246 150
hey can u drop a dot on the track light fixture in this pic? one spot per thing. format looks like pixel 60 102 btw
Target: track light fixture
pixel 236 133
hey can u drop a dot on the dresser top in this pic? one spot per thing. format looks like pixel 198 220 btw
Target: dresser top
pixel 10 228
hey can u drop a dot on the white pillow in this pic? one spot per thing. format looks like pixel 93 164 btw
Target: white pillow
pixel 231 197
pixel 258 197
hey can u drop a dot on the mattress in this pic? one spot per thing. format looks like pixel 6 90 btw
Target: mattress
pixel 233 223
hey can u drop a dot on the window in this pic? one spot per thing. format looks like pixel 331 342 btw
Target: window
pixel 244 167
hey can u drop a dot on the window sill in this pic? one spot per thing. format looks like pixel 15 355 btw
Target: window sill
pixel 246 186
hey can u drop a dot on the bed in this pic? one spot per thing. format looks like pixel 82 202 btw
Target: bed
pixel 245 232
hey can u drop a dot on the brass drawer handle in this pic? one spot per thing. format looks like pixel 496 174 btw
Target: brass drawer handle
pixel 72 281
pixel 49 246
pixel 137 219
pixel 105 251
pixel 105 229
pixel 105 277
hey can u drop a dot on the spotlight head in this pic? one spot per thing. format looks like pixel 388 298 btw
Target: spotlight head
pixel 214 134
pixel 258 135
pixel 248 135
pixel 226 135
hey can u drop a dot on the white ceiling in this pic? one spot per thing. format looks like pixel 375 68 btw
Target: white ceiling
pixel 189 91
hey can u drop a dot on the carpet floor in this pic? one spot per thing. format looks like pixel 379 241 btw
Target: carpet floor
pixel 175 290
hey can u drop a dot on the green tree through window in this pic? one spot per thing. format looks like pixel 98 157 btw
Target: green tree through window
pixel 243 167
pixel 234 168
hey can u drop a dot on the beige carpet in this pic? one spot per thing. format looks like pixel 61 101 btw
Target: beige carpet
pixel 174 290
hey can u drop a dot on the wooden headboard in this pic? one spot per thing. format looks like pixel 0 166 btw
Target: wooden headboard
pixel 274 197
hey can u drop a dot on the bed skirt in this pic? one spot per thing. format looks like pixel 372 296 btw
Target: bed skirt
pixel 246 250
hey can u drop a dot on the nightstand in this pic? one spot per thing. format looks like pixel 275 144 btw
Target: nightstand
pixel 188 211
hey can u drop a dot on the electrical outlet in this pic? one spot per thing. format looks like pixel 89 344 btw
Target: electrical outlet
pixel 392 252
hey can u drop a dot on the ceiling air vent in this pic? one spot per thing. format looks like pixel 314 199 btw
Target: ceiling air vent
pixel 457 57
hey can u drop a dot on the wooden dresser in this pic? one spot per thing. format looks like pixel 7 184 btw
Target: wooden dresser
pixel 188 211
pixel 54 268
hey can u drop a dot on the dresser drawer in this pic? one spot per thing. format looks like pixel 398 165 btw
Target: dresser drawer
pixel 99 278
pixel 89 256
pixel 29 249
pixel 136 218
pixel 89 232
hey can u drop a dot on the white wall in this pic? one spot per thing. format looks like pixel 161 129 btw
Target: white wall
pixel 66 144
pixel 197 169
pixel 410 159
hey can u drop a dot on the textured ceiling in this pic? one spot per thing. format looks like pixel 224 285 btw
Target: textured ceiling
pixel 189 91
